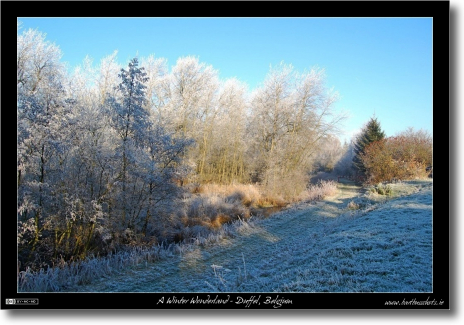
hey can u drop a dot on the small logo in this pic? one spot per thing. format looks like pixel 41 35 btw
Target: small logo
pixel 22 301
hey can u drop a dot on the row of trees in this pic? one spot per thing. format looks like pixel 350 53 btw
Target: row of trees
pixel 265 136
pixel 102 151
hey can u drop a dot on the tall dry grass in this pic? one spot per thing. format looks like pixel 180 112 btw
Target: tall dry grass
pixel 247 194
pixel 213 205
pixel 250 195
pixel 319 191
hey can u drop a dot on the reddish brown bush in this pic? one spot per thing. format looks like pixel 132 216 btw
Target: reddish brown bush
pixel 405 156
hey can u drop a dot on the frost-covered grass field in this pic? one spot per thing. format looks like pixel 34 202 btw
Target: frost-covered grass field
pixel 353 241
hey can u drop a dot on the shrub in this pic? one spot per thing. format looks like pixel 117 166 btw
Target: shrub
pixel 403 157
pixel 353 205
pixel 321 190
pixel 212 211
pixel 382 189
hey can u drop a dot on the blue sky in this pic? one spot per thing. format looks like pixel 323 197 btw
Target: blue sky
pixel 377 65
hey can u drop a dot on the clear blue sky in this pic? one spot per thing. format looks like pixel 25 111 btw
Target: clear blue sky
pixel 378 65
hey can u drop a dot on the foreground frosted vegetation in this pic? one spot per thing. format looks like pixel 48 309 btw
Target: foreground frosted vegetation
pixel 352 241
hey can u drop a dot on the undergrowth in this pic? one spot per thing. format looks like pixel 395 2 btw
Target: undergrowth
pixel 208 215
pixel 381 189
pixel 66 276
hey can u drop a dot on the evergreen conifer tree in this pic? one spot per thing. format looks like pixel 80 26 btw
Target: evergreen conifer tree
pixel 370 133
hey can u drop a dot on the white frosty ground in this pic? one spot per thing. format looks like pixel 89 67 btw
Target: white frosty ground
pixel 323 247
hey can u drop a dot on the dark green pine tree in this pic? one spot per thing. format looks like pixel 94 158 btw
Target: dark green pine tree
pixel 370 133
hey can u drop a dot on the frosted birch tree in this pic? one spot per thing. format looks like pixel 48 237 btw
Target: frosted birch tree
pixel 227 160
pixel 291 113
pixel 193 106
pixel 107 78
pixel 158 87
pixel 44 137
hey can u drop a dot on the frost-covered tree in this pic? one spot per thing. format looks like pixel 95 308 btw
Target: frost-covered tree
pixel 157 169
pixel 129 119
pixel 38 60
pixel 192 108
pixel 226 161
pixel 291 114
pixel 107 77
pixel 193 89
pixel 46 133
pixel 158 91
pixel 82 83
pixel 223 146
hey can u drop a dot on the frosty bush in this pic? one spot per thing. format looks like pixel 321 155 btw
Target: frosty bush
pixel 213 210
pixel 382 189
pixel 321 190
pixel 353 205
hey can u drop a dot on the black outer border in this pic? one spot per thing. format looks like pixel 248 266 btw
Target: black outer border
pixel 439 10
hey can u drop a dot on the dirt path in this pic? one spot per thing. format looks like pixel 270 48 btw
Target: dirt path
pixel 245 262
